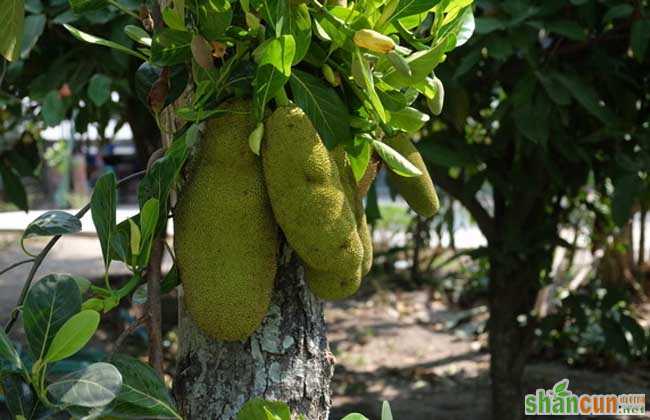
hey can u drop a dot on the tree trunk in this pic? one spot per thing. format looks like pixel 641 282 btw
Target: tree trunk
pixel 512 293
pixel 286 359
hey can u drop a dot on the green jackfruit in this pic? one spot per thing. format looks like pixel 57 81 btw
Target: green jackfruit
pixel 354 197
pixel 418 191
pixel 330 286
pixel 225 235
pixel 307 197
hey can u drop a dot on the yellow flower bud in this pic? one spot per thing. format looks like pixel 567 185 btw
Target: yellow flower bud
pixel 333 78
pixel 374 41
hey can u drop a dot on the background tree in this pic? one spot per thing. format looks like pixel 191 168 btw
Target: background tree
pixel 551 97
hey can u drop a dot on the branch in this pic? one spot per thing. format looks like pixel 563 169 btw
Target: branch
pixel 456 189
pixel 154 311
pixel 18 264
pixel 127 332
pixel 38 260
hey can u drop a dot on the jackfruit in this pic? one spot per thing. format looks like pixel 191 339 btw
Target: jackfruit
pixel 307 197
pixel 354 198
pixel 226 239
pixel 418 191
pixel 330 286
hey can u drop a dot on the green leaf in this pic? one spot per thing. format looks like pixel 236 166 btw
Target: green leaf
pixel 639 38
pixel 273 71
pixel 170 47
pixel 10 361
pixel 93 386
pixel 386 413
pixel 99 89
pixel 413 7
pixel 258 409
pixel 81 6
pixel 567 28
pixel 13 186
pixel 214 18
pixel 92 39
pixel 103 206
pixel 372 205
pixel 422 63
pixel 49 304
pixel 12 17
pixel 138 34
pixel 395 161
pixel 466 27
pixel 73 336
pixel 143 388
pixel 53 109
pixel 586 96
pixel 322 104
pixel 408 119
pixel 295 22
pixel 355 416
pixel 173 20
pixel 149 215
pixel 50 223
pixel 359 156
pixel 19 397
pixel 364 78
pixel 34 25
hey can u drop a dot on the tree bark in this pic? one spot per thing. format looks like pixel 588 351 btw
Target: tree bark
pixel 512 293
pixel 286 359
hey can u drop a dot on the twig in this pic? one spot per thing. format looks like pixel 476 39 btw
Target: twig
pixel 154 311
pixel 41 256
pixel 18 264
pixel 128 331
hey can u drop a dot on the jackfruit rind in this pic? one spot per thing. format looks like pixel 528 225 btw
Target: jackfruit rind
pixel 308 200
pixel 418 191
pixel 354 197
pixel 330 286
pixel 225 235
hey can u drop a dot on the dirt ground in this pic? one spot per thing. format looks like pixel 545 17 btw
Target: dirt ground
pixel 405 347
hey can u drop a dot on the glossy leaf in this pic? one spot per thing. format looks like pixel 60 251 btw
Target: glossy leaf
pixel 93 386
pixel 273 71
pixel 50 223
pixel 49 304
pixel 395 161
pixel 53 109
pixel 73 335
pixel 10 361
pixel 143 388
pixel 81 6
pixel 103 205
pixel 12 17
pixel 258 409
pixel 92 39
pixel 214 17
pixel 170 47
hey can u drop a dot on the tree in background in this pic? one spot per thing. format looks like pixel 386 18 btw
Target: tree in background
pixel 551 98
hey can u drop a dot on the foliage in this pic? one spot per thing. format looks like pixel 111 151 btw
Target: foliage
pixel 355 70
pixel 595 325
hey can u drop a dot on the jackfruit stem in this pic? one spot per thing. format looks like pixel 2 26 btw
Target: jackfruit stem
pixel 281 97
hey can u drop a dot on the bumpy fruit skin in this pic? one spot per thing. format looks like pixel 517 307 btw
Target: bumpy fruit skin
pixel 330 286
pixel 226 239
pixel 308 200
pixel 419 191
pixel 354 197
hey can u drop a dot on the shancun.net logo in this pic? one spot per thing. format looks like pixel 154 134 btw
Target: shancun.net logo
pixel 559 401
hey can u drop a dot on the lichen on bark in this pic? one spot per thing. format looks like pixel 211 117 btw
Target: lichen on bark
pixel 286 359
